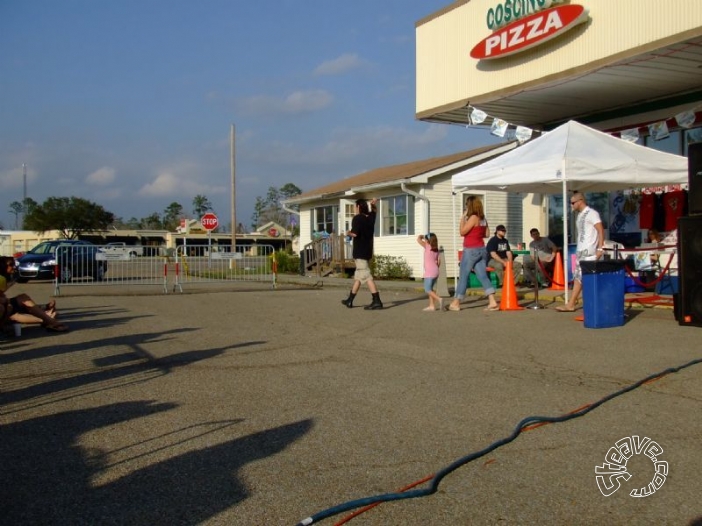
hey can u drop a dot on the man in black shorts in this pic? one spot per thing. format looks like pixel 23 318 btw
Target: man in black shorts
pixel 362 232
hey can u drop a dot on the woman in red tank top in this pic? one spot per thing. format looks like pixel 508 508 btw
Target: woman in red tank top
pixel 474 229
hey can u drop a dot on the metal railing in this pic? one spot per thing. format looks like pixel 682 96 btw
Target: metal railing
pixel 248 263
pixel 92 265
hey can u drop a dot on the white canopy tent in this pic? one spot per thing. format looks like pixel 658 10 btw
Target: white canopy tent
pixel 574 157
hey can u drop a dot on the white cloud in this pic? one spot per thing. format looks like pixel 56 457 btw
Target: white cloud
pixel 339 65
pixel 180 183
pixel 101 177
pixel 294 104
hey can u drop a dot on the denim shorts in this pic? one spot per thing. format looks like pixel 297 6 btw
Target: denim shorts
pixel 429 284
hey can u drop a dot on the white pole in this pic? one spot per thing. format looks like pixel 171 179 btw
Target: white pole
pixel 454 236
pixel 566 212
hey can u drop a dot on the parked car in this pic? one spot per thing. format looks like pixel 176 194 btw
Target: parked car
pixel 119 248
pixel 75 259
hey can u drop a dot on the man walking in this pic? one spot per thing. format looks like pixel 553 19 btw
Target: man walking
pixel 362 232
pixel 590 244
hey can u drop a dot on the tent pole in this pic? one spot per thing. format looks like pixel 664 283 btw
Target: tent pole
pixel 566 212
pixel 455 249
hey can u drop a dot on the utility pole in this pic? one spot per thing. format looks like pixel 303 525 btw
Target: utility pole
pixel 233 170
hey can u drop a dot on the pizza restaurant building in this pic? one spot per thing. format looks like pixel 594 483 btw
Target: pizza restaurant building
pixel 632 68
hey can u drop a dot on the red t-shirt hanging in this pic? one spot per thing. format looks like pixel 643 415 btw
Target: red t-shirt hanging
pixel 674 204
pixel 647 210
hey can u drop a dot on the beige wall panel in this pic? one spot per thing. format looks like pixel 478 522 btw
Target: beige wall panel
pixel 447 74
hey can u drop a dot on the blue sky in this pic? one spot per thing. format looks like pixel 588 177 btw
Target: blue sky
pixel 129 103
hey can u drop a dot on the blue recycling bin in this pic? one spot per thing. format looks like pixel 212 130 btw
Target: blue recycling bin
pixel 603 293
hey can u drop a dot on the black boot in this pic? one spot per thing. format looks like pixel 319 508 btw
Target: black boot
pixel 376 303
pixel 349 301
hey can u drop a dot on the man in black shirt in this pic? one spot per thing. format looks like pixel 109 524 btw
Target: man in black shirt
pixel 362 231
pixel 499 253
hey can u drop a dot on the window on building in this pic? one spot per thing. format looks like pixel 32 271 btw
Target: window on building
pixel 397 215
pixel 324 219
pixel 349 212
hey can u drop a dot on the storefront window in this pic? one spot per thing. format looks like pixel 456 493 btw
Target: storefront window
pixel 671 144
pixel 597 200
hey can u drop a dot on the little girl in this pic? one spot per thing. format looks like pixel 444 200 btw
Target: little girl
pixel 432 260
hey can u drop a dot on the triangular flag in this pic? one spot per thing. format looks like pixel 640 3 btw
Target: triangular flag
pixel 630 135
pixel 523 133
pixel 658 130
pixel 685 119
pixel 499 127
pixel 477 116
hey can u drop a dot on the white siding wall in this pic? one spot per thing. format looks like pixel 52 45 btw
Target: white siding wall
pixel 444 210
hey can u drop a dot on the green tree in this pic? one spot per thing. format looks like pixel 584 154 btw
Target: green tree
pixel 16 209
pixel 172 215
pixel 29 205
pixel 271 208
pixel 71 216
pixel 152 222
pixel 201 205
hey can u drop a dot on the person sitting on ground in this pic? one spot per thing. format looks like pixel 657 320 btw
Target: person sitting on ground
pixel 542 257
pixel 499 253
pixel 21 308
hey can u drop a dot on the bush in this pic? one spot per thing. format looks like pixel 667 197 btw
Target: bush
pixel 390 267
pixel 287 263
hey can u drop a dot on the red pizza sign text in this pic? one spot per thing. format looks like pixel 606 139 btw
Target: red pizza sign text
pixel 529 31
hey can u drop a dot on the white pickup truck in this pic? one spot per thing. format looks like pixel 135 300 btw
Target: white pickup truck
pixel 123 249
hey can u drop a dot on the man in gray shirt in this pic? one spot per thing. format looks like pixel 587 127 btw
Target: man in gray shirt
pixel 543 251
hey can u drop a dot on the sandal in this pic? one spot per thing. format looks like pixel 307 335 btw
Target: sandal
pixel 493 308
pixel 564 308
pixel 57 327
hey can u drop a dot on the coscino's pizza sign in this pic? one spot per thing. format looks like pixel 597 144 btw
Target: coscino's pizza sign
pixel 522 24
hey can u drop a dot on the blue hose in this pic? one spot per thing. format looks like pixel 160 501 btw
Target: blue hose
pixel 526 422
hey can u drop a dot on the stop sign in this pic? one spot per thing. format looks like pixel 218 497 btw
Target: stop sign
pixel 209 221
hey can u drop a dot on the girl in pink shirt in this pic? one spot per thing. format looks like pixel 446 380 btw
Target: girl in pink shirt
pixel 432 261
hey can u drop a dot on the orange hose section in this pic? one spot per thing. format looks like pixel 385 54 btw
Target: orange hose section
pixel 358 512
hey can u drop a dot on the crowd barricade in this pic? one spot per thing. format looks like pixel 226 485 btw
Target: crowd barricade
pixel 94 265
pixel 201 266
pixel 650 259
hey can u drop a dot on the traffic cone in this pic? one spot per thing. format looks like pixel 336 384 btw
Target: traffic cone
pixel 508 301
pixel 558 282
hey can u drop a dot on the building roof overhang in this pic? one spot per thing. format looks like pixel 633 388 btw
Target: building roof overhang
pixel 657 77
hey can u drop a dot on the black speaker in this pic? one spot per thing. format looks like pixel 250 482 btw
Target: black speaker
pixel 690 270
pixel 694 175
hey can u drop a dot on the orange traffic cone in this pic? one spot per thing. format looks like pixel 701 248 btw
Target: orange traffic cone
pixel 558 282
pixel 508 301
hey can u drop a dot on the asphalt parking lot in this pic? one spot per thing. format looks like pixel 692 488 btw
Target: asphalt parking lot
pixel 259 406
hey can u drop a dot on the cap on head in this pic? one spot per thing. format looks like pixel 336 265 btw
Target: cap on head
pixel 500 228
